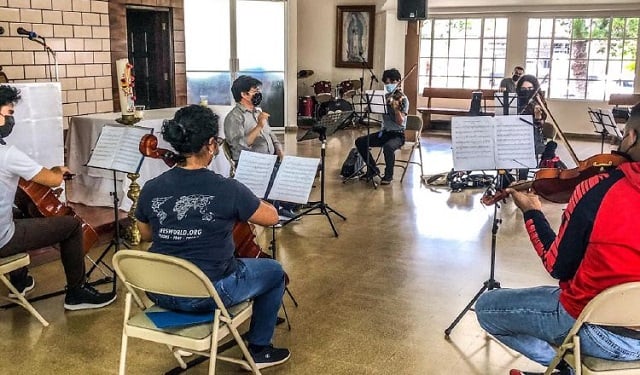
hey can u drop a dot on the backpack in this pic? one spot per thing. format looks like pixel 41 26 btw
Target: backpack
pixel 352 165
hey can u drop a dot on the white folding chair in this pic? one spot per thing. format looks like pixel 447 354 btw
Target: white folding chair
pixel 12 263
pixel 615 306
pixel 141 271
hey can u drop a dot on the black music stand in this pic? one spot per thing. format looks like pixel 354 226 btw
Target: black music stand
pixel 117 151
pixel 491 283
pixel 506 101
pixel 604 124
pixel 325 127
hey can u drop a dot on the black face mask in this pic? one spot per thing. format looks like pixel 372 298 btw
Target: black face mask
pixel 256 99
pixel 7 128
pixel 515 77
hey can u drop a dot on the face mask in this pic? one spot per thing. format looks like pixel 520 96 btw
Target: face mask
pixel 7 128
pixel 389 87
pixel 626 152
pixel 256 99
pixel 515 77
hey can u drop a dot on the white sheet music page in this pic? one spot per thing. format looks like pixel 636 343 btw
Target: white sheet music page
pixel 514 142
pixel 254 171
pixel 294 179
pixel 117 148
pixel 472 141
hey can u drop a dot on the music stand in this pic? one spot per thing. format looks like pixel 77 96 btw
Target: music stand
pixel 507 101
pixel 604 124
pixel 327 126
pixel 116 150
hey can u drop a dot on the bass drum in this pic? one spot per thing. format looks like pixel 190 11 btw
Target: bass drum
pixel 334 106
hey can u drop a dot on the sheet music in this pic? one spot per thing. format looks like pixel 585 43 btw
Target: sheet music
pixel 483 142
pixel 378 101
pixel 514 142
pixel 472 141
pixel 254 171
pixel 294 179
pixel 117 148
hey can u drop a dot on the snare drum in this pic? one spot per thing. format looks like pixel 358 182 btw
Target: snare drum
pixel 323 91
pixel 346 89
pixel 306 106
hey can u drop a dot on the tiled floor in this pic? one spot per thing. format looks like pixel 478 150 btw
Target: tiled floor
pixel 375 300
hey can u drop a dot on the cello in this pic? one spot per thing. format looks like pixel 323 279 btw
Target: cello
pixel 243 233
pixel 38 200
pixel 557 185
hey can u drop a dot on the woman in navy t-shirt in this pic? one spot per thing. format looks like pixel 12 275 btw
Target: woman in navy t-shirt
pixel 189 212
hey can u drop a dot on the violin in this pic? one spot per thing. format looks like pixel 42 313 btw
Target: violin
pixel 396 95
pixel 557 185
pixel 37 200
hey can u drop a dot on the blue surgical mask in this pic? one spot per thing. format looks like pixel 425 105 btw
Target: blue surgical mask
pixel 389 87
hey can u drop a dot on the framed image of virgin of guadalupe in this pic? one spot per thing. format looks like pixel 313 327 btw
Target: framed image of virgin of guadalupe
pixel 354 36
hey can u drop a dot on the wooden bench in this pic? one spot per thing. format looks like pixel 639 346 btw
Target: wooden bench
pixel 446 93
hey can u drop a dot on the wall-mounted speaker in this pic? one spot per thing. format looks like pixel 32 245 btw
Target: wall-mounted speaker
pixel 412 10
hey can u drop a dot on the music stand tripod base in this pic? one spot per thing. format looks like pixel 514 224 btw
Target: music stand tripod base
pixel 327 126
pixel 490 283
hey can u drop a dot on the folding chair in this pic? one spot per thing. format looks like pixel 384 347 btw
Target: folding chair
pixel 412 134
pixel 226 150
pixel 12 263
pixel 141 271
pixel 616 306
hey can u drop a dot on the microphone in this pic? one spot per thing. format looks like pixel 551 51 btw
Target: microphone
pixel 27 33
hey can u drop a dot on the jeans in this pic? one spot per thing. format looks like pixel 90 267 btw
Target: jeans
pixel 529 320
pixel 35 233
pixel 389 141
pixel 259 279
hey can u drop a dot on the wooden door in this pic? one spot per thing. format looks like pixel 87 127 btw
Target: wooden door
pixel 151 53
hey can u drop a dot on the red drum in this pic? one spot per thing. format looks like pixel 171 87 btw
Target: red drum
pixel 306 106
pixel 346 89
pixel 334 106
pixel 323 91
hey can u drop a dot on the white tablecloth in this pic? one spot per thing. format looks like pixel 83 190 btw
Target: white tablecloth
pixel 93 186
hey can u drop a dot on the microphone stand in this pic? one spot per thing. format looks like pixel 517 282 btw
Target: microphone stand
pixel 50 53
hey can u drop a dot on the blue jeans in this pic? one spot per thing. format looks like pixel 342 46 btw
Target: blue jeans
pixel 528 320
pixel 259 279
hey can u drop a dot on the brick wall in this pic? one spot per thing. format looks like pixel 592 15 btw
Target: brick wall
pixel 86 44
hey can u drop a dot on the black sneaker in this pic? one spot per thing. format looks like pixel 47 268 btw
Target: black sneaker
pixel 268 356
pixel 23 286
pixel 86 297
pixel 386 180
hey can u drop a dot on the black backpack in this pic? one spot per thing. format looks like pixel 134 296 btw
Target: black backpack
pixel 352 165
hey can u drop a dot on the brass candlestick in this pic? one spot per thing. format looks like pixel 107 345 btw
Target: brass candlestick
pixel 128 120
pixel 133 234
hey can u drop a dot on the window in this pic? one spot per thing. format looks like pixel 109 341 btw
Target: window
pixel 463 52
pixel 583 58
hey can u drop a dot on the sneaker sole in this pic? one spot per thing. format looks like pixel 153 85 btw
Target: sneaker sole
pixel 25 291
pixel 262 365
pixel 88 306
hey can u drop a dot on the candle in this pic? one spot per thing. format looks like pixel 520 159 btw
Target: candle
pixel 125 86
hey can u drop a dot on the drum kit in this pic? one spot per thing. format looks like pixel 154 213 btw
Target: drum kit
pixel 327 99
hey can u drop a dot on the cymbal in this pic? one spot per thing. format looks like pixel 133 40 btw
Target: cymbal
pixel 305 73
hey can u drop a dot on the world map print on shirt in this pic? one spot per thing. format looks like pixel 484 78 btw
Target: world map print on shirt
pixel 198 202
pixel 156 203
